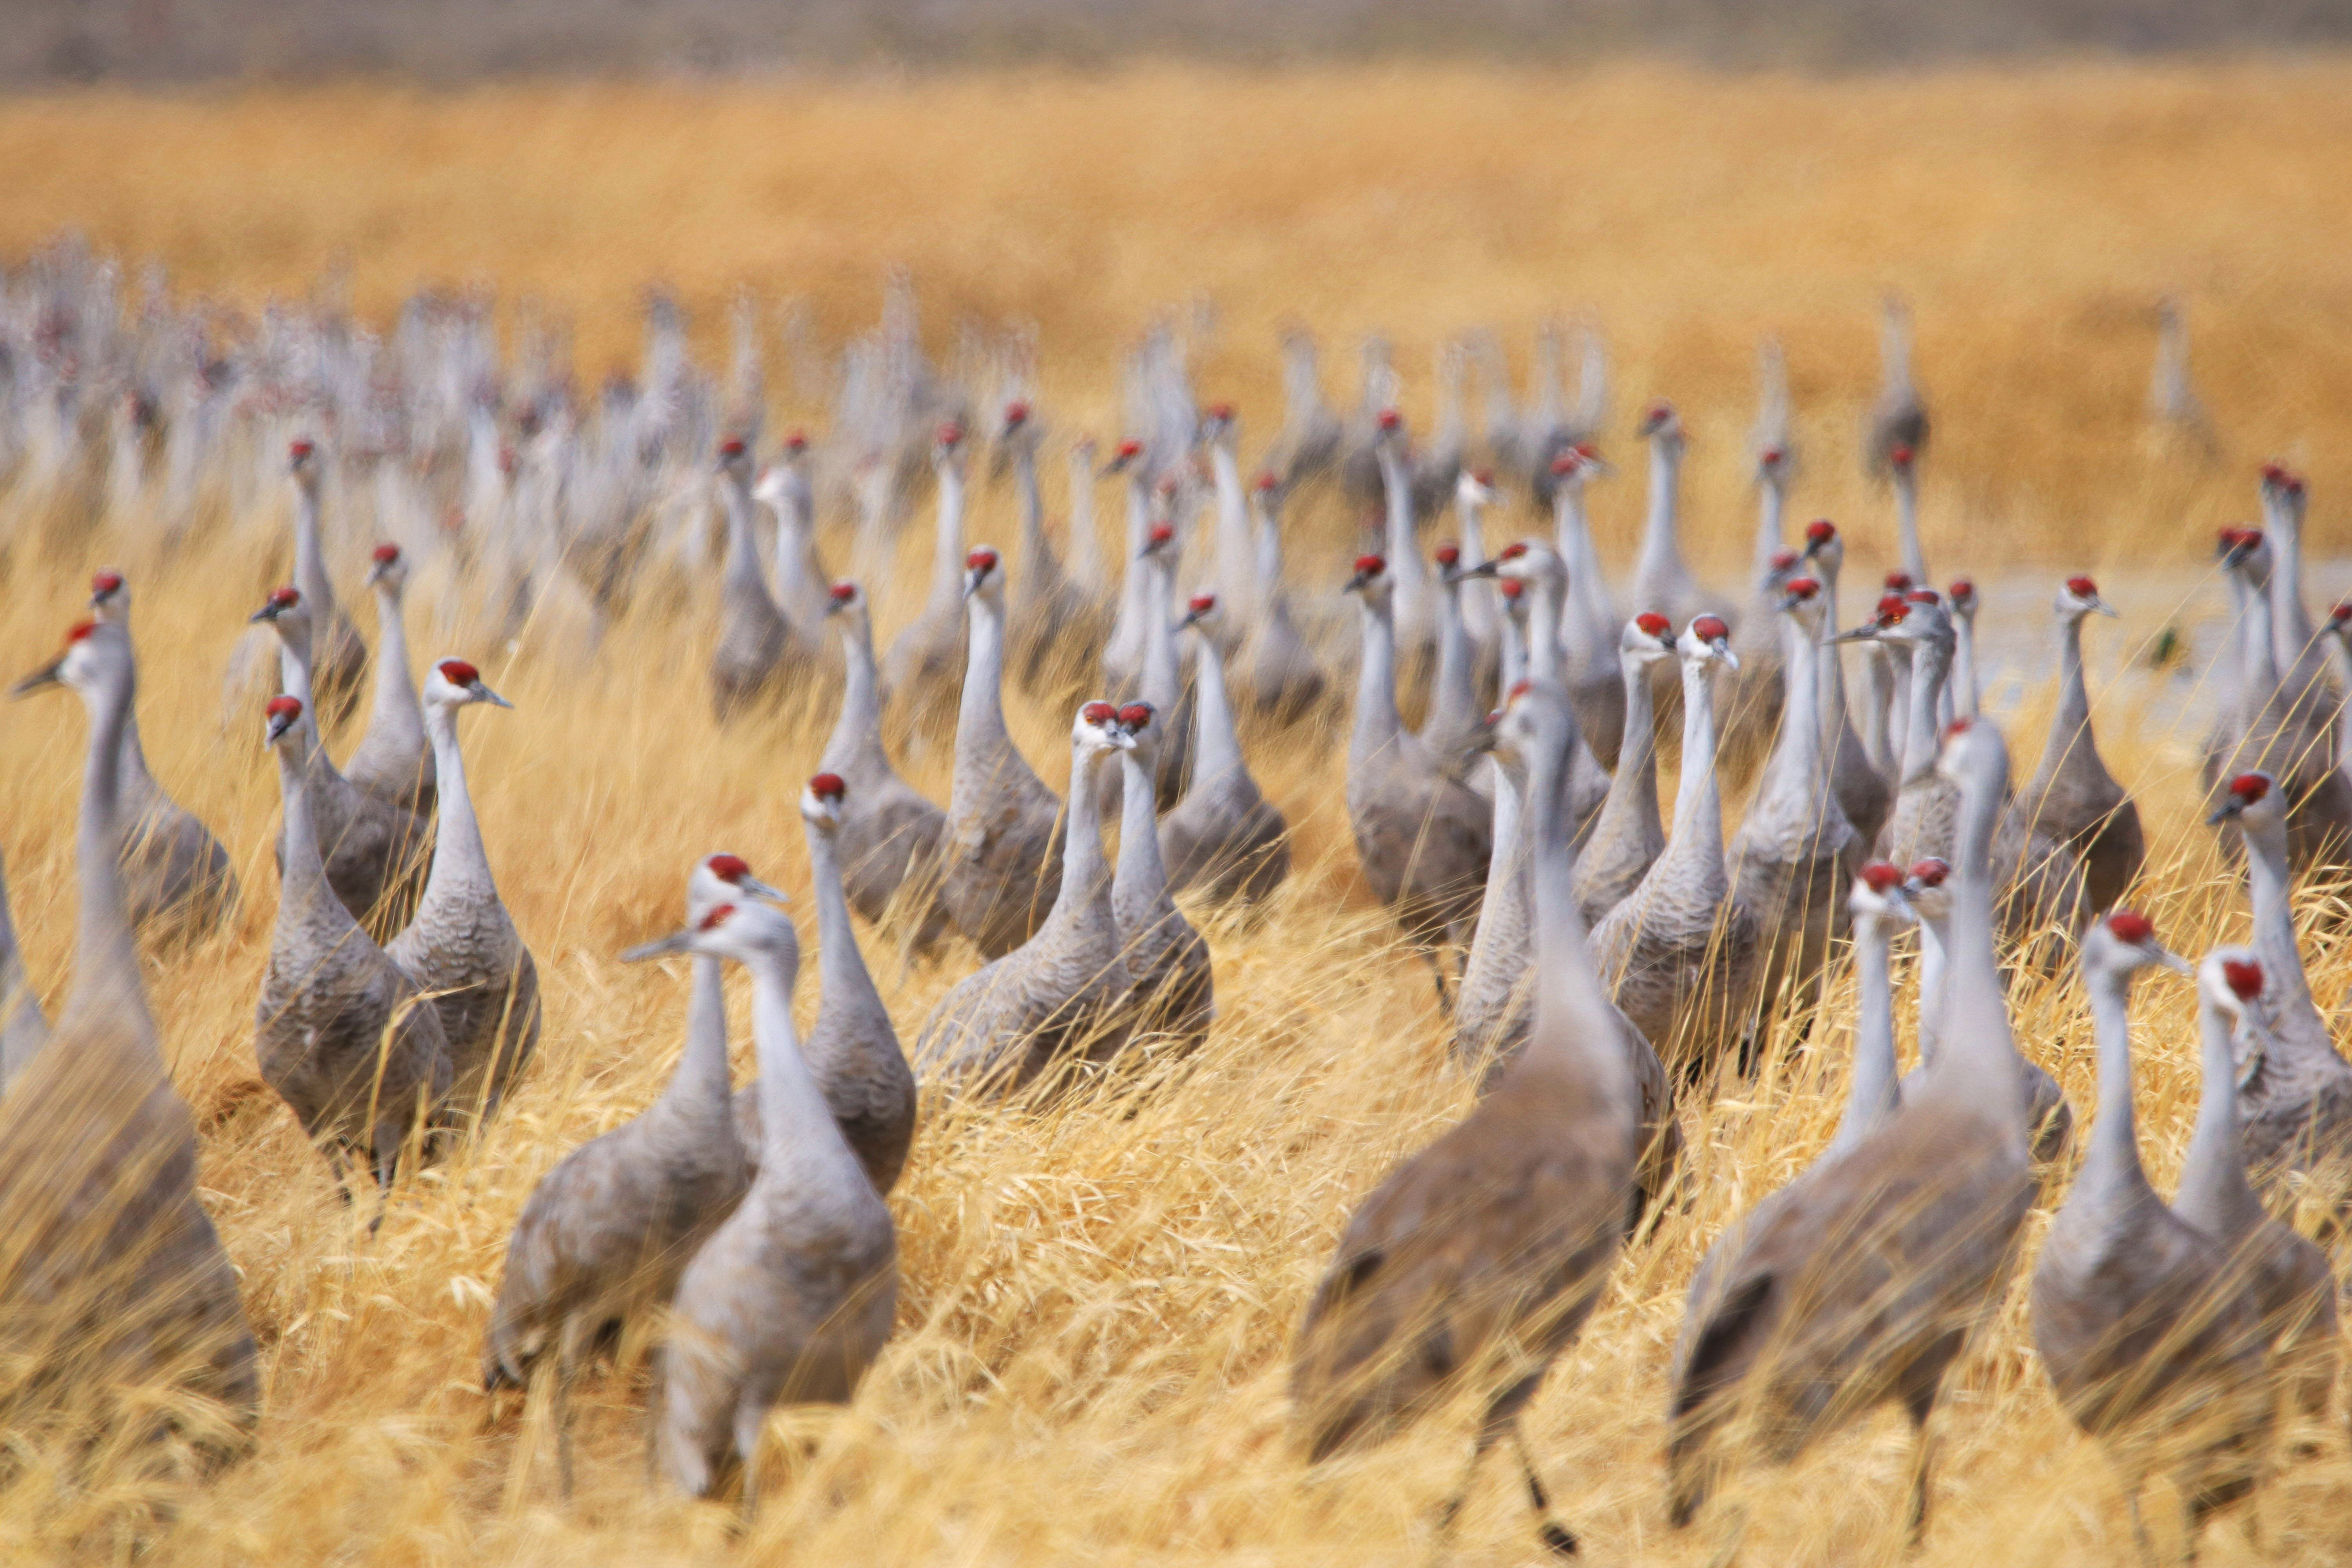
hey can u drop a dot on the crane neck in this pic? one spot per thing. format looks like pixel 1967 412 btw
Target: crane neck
pixel 841 967
pixel 947 547
pixel 310 554
pixel 1216 750
pixel 2291 625
pixel 1873 1091
pixel 2269 885
pixel 1977 1060
pixel 1514 661
pixel 743 551
pixel 1934 938
pixel 1454 689
pixel 459 861
pixel 979 712
pixel 1234 545
pixel 1575 1031
pixel 1140 887
pixel 858 729
pixel 1084 885
pixel 1404 544
pixel 2262 664
pixel 1637 753
pixel 1377 724
pixel 1032 504
pixel 2215 1194
pixel 107 988
pixel 2070 721
pixel 1931 663
pixel 1161 674
pixel 1698 803
pixel 305 899
pixel 701 1083
pixel 1270 551
pixel 2112 1168
pixel 1084 549
pixel 1543 595
pixel 802 1151
pixel 1659 537
pixel 1907 525
pixel 395 688
pixel 1772 509
pixel 1962 688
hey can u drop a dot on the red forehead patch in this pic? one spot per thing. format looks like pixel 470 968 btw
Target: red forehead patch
pixel 951 433
pixel 1821 531
pixel 732 447
pixel 1707 628
pixel 2245 977
pixel 828 786
pixel 1098 713
pixel 385 554
pixel 80 630
pixel 1265 480
pixel 1201 604
pixel 1015 412
pixel 2131 926
pixel 1448 554
pixel 457 672
pixel 1391 420
pixel 982 560
pixel 284 598
pixel 1881 875
pixel 1654 624
pixel 284 707
pixel 1135 715
pixel 1371 566
pixel 2082 587
pixel 1898 582
pixel 729 869
pixel 843 592
pixel 1803 587
pixel 2250 787
pixel 1930 872
pixel 106 583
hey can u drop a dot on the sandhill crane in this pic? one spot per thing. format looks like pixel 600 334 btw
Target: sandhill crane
pixel 1796 852
pixel 341 1033
pixel 2050 1118
pixel 2148 1336
pixel 1233 565
pixel 2274 734
pixel 176 878
pixel 1962 688
pixel 604 1235
pixel 2292 1283
pixel 2294 639
pixel 1680 950
pixel 114 1277
pixel 1628 836
pixel 748 665
pixel 1422 835
pixel 1087 576
pixel 1048 1002
pixel 1754 696
pixel 890 836
pixel 1476 1261
pixel 1546 585
pixel 23 1029
pixel 1224 838
pixel 1898 420
pixel 1662 581
pixel 1050 614
pixel 1160 683
pixel 340 659
pixel 799 585
pixel 2294 1092
pixel 1864 785
pixel 1588 623
pixel 1455 715
pixel 1413 600
pixel 393 760
pixel 2072 799
pixel 1004 847
pixel 2042 897
pixel 1868 1286
pixel 2172 400
pixel 1876 907
pixel 1280 678
pixel 462 947
pixel 1167 963
pixel 1122 654
pixel 853 1048
pixel 920 671
pixel 369 846
pixel 792 1297
pixel 1473 492
pixel 1308 442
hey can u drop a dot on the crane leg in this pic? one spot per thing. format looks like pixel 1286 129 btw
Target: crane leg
pixel 567 1366
pixel 1555 1535
pixel 1437 974
pixel 1921 1405
pixel 1453 1506
pixel 2139 1532
pixel 750 1419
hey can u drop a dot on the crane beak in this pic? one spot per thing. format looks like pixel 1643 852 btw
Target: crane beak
pixel 759 890
pixel 267 613
pixel 375 574
pixel 2175 962
pixel 1723 652
pixel 280 724
pixel 481 693
pixel 1490 568
pixel 1866 632
pixel 2229 808
pixel 47 675
pixel 676 941
pixel 2102 607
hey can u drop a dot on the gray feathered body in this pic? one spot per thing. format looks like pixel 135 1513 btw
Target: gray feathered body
pixel 1003 847
pixel 1225 839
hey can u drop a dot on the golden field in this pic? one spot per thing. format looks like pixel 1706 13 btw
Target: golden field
pixel 1096 1302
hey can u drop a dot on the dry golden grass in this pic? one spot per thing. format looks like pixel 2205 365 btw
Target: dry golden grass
pixel 1098 1303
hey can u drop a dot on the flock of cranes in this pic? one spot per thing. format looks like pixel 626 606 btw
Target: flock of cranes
pixel 1605 965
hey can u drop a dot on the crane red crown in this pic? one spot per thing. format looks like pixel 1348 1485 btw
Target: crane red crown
pixel 300 450
pixel 1923 596
pixel 1129 449
pixel 1265 480
pixel 2082 587
pixel 1161 533
pixel 1201 604
pixel 457 672
pixel 1770 457
pixel 385 554
pixel 1957 727
pixel 1784 559
pixel 949 433
pixel 1449 553
pixel 2131 926
pixel 1654 624
pixel 1930 872
pixel 1567 463
pixel 2245 977
pixel 1801 587
pixel 1391 420
pixel 1371 566
pixel 1708 628
pixel 732 447
pixel 1513 551
pixel 284 598
pixel 982 560
pixel 1136 715
pixel 1881 875
pixel 1098 713
pixel 1223 411
pixel 284 708
pixel 2250 787
pixel 795 440
pixel 1016 413
pixel 1512 588
pixel 828 786
pixel 1901 457
pixel 728 868
pixel 80 630
pixel 1962 592
pixel 1519 691
pixel 1821 531
pixel 106 583
pixel 1898 582
pixel 843 593
pixel 1892 609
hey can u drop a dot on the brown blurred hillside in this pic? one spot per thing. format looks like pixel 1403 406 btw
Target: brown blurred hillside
pixel 449 40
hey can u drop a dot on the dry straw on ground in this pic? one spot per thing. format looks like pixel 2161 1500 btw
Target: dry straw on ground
pixel 1097 1301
